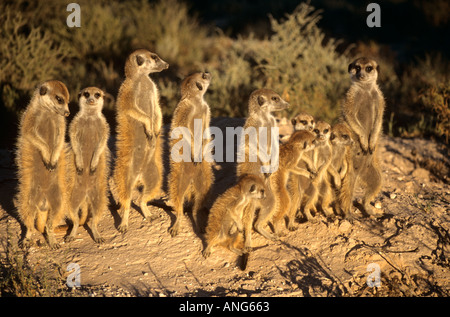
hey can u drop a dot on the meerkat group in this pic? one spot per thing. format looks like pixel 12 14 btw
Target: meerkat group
pixel 316 169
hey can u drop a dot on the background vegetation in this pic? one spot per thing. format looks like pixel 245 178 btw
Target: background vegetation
pixel 301 50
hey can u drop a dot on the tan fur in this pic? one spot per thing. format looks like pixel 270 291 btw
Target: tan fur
pixel 303 121
pixel 139 119
pixel 40 160
pixel 362 112
pixel 226 220
pixel 290 155
pixel 262 103
pixel 88 163
pixel 190 179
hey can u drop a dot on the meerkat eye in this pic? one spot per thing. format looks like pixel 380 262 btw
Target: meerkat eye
pixel 369 69
pixel 154 57
pixel 316 131
pixel 294 122
pixel 358 68
pixel 325 131
pixel 304 122
pixel 86 94
pixel 345 137
pixel 59 99
pixel 97 95
pixel 275 98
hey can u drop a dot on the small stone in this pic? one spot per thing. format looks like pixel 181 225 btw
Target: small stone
pixel 393 195
pixel 378 205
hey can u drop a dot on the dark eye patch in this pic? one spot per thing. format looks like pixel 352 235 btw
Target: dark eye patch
pixel 325 131
pixel 59 99
pixel 304 122
pixel 86 94
pixel 252 188
pixel 369 69
pixel 97 95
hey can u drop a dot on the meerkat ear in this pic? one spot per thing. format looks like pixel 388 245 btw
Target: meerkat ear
pixel 43 90
pixel 252 188
pixel 294 122
pixel 199 86
pixel 139 60
pixel 261 100
pixel 332 136
pixel 350 66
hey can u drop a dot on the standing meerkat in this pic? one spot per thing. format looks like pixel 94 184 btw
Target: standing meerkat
pixel 226 219
pixel 362 112
pixel 297 183
pixel 88 163
pixel 193 177
pixel 138 161
pixel 291 154
pixel 262 103
pixel 341 142
pixel 40 160
pixel 322 155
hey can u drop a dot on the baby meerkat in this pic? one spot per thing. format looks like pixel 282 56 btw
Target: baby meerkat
pixel 138 161
pixel 291 153
pixel 298 183
pixel 192 178
pixel 40 159
pixel 226 220
pixel 321 161
pixel 362 112
pixel 88 163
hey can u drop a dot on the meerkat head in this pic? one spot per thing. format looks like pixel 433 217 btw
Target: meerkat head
pixel 303 121
pixel 364 70
pixel 144 62
pixel 322 131
pixel 54 96
pixel 303 140
pixel 266 100
pixel 91 100
pixel 253 187
pixel 196 84
pixel 341 135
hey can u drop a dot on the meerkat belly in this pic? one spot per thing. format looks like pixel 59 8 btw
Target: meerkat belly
pixel 366 114
pixel 89 140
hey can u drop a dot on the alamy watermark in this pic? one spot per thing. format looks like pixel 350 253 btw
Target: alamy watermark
pixel 262 145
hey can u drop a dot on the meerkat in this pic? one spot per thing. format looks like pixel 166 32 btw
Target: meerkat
pixel 362 112
pixel 322 155
pixel 297 183
pixel 191 179
pixel 291 153
pixel 341 142
pixel 226 220
pixel 40 160
pixel 138 161
pixel 262 103
pixel 88 165
pixel 303 121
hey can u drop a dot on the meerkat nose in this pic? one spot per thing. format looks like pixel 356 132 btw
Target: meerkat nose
pixel 66 113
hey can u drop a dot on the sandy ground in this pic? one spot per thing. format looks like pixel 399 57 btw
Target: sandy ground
pixel 410 242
